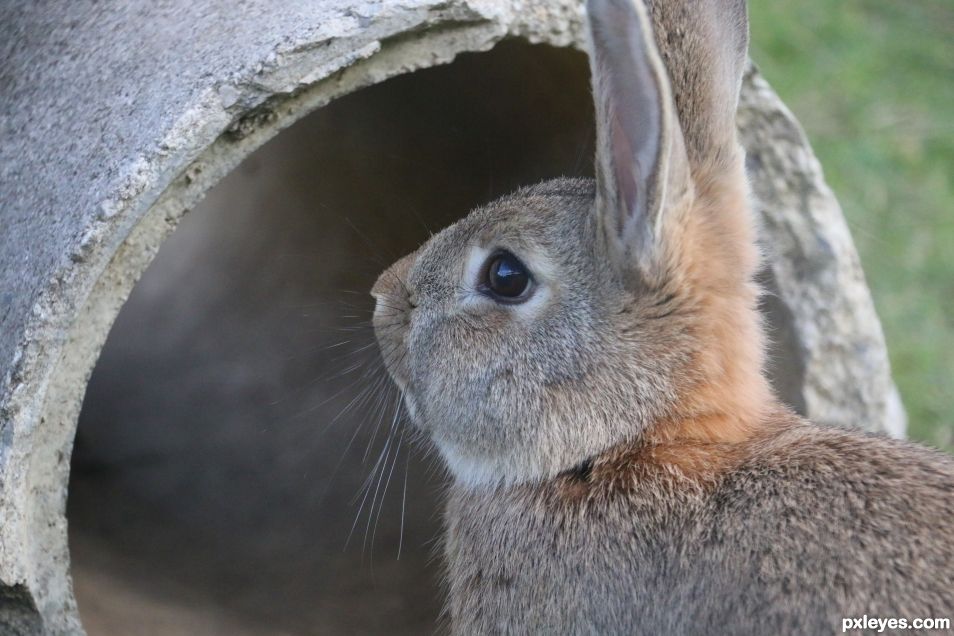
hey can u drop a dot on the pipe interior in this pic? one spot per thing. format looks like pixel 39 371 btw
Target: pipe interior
pixel 239 407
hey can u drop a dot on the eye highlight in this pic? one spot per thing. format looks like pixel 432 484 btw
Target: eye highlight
pixel 505 278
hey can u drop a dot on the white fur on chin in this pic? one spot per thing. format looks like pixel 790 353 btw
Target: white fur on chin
pixel 488 472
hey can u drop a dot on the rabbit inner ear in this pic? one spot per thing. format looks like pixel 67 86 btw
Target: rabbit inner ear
pixel 635 129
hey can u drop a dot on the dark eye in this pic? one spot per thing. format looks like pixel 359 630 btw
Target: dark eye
pixel 506 278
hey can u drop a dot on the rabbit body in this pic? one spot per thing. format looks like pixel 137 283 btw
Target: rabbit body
pixel 587 357
pixel 789 533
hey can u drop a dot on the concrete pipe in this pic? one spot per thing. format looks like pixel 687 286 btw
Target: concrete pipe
pixel 233 404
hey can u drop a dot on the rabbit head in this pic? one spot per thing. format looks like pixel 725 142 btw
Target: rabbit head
pixel 575 315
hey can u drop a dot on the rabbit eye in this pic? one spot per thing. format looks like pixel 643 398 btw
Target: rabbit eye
pixel 506 278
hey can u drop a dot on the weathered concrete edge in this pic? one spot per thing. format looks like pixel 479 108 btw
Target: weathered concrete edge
pixel 846 373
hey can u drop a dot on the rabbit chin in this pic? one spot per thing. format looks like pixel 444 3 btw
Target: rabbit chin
pixel 485 472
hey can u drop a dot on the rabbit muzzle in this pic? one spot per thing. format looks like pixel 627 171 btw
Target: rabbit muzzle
pixel 394 306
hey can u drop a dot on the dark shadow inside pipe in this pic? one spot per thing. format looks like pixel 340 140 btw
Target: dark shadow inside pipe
pixel 235 468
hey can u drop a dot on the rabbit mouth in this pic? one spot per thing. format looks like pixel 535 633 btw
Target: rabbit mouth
pixel 411 405
pixel 399 380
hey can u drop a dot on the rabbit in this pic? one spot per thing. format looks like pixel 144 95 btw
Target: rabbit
pixel 587 357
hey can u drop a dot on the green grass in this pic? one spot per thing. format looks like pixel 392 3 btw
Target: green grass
pixel 872 82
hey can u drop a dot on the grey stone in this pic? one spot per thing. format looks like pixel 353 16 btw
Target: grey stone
pixel 839 374
pixel 116 120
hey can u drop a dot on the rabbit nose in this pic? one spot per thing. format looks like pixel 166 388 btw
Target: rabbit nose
pixel 392 285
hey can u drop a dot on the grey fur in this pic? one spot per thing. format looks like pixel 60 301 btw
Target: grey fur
pixel 813 527
pixel 619 463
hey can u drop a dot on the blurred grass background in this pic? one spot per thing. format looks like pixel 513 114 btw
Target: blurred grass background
pixel 872 82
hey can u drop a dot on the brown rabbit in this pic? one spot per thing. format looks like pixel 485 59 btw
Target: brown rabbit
pixel 587 356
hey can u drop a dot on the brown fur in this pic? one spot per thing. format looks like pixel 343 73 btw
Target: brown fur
pixel 715 261
pixel 791 532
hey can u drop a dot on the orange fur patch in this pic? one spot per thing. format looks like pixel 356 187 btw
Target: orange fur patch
pixel 715 259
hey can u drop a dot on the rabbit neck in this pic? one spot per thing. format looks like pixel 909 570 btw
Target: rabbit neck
pixel 724 394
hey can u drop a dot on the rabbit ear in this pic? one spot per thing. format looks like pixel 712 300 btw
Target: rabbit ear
pixel 639 148
pixel 704 50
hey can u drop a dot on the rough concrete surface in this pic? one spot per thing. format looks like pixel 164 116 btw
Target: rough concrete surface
pixel 115 119
pixel 817 288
